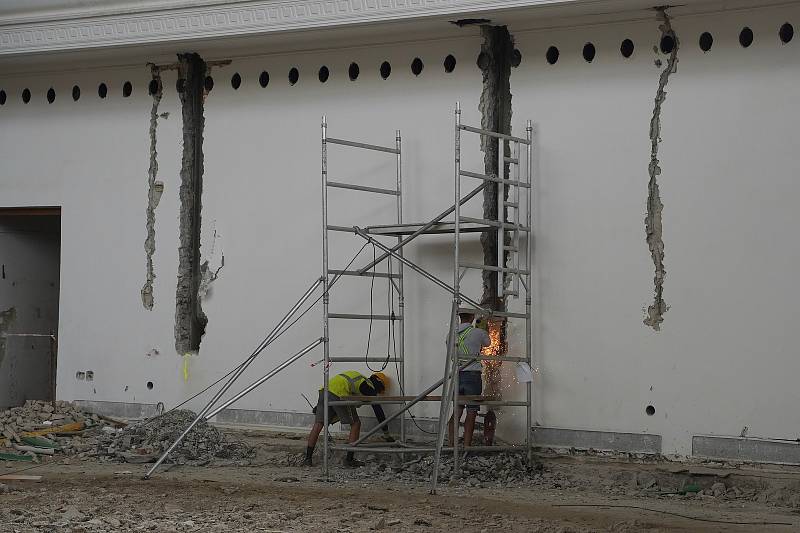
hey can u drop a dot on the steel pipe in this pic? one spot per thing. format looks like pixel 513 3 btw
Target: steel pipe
pixel 239 371
pixel 257 383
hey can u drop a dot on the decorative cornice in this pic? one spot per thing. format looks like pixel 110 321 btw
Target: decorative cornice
pixel 233 19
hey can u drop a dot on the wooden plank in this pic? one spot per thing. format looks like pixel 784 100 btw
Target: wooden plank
pixel 66 428
pixel 19 477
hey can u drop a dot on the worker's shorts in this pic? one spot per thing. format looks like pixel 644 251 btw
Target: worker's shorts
pixel 346 414
pixel 470 383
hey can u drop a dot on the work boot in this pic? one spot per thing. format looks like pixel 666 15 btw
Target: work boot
pixel 352 463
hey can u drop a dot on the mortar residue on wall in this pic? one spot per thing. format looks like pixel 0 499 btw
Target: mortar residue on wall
pixel 7 319
pixel 653 218
pixel 190 320
pixel 154 191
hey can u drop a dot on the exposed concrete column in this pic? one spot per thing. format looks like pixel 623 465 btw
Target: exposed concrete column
pixel 190 320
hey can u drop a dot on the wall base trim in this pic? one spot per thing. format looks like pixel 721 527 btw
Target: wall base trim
pixel 550 437
pixel 756 450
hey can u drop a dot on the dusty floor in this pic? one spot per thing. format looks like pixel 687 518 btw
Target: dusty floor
pixel 273 495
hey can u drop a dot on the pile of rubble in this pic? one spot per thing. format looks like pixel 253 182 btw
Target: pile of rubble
pixel 38 415
pixel 61 428
pixel 145 441
pixel 477 470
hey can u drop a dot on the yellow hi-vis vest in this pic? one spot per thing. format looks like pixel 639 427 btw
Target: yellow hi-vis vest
pixel 347 383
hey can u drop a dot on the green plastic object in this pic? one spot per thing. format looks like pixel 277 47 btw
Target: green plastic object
pixel 15 457
pixel 690 488
pixel 40 442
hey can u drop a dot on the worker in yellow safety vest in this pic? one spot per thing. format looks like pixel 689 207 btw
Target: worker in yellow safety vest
pixel 470 341
pixel 349 383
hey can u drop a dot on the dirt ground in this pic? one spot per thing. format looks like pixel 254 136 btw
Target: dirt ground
pixel 571 493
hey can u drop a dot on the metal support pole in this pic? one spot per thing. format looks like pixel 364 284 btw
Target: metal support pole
pixel 528 290
pixel 400 284
pixel 501 196
pixel 325 300
pixel 419 270
pixel 259 382
pixel 444 405
pixel 239 371
pixel 456 280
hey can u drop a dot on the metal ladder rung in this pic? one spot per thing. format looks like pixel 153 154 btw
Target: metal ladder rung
pixel 367 274
pixel 511 204
pixel 355 144
pixel 494 134
pixel 478 266
pixel 494 358
pixel 361 359
pixel 493 179
pixel 364 188
pixel 494 223
pixel 510 248
pixel 512 160
pixel 503 314
pixel 354 316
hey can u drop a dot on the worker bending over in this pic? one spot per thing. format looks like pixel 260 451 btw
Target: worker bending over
pixel 469 341
pixel 350 383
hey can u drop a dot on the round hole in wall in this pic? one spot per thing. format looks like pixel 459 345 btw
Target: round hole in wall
pixel 149 385
pixel 353 71
pixel 706 41
pixel 2 97
pixel 589 52
pixel 26 95
pixel 180 85
pixel 386 70
pixel 746 37
pixel 482 61
pixel 667 44
pixel 102 90
pixel 516 58
pixel 324 74
pixel 449 63
pixel 417 66
pixel 626 48
pixel 127 89
pixel 51 95
pixel 236 81
pixel 208 83
pixel 552 55
pixel 263 79
pixel 650 410
pixel 154 87
pixel 76 92
pixel 294 75
pixel 786 33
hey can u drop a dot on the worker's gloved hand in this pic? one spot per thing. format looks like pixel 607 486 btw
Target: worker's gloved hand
pixel 482 323
pixel 388 437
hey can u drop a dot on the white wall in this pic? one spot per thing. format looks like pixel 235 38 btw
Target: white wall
pixel 724 358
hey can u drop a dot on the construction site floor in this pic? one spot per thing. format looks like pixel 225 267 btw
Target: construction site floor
pixel 571 494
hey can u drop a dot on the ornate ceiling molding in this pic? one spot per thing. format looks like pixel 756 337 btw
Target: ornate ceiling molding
pixel 233 19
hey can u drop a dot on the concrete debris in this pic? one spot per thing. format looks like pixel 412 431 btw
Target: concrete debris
pixel 145 441
pixel 502 468
pixel 38 415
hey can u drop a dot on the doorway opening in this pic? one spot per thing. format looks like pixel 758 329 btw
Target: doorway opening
pixel 30 271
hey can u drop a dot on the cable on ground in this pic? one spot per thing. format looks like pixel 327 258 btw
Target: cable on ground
pixel 688 517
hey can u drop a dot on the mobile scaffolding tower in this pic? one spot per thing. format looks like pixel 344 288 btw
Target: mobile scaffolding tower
pixel 513 268
pixel 517 275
